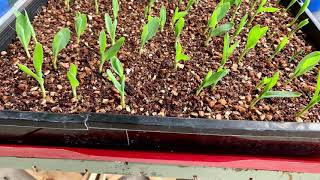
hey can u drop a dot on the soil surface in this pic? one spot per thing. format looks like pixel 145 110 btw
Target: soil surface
pixel 154 88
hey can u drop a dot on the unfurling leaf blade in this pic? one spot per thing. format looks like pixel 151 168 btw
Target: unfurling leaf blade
pixel 38 59
pixel 163 17
pixel 221 30
pixel 102 42
pixel 81 25
pixel 241 25
pixel 280 94
pixel 179 27
pixel 115 8
pixel 72 77
pixel 301 11
pixel 306 64
pixel 60 41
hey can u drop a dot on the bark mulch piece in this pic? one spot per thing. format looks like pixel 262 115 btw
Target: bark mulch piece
pixel 154 88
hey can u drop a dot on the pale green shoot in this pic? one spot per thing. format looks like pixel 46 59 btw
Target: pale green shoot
pixel 111 52
pixel 67 3
pixel 255 34
pixel 81 25
pixel 219 31
pixel 262 9
pixel 149 31
pixel 315 99
pixel 37 64
pixel 179 55
pixel 60 41
pixel 290 4
pixel 119 85
pixel 96 5
pixel 115 8
pixel 177 15
pixel 111 27
pixel 212 79
pixel 301 11
pixel 72 77
pixel 306 64
pixel 163 17
pixel 178 29
pixel 148 8
pixel 241 25
pixel 279 48
pixel 300 26
pixel 227 49
pixel 268 84
pixel 190 4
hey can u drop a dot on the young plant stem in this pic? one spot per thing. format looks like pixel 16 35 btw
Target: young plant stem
pixel 199 91
pixel 74 92
pixel 234 14
pixel 123 102
pixel 272 56
pixel 96 3
pixel 43 91
pixel 253 5
pixel 255 101
pixel 28 53
pixel 242 55
pixel 55 63
pixel 100 67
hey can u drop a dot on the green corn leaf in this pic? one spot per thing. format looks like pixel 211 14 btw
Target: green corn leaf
pixel 269 9
pixel 290 4
pixel 111 27
pixel 227 49
pixel 215 78
pixel 255 34
pixel 232 48
pixel 113 50
pixel 237 2
pixel 31 29
pixel 102 42
pixel 149 30
pixel 264 82
pixel 179 55
pixel 81 24
pixel 163 17
pixel 221 30
pixel 282 44
pixel 190 4
pixel 72 77
pixel 272 82
pixel 213 21
pixel 280 94
pixel 229 1
pixel 179 27
pixel 38 59
pixel 115 82
pixel 23 31
pixel 302 9
pixel 177 15
pixel 117 66
pixel 223 10
pixel 241 25
pixel 300 26
pixel 262 9
pixel 306 64
pixel 115 8
pixel 26 70
pixel 60 41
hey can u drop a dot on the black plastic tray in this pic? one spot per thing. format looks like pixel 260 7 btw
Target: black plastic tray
pixel 93 130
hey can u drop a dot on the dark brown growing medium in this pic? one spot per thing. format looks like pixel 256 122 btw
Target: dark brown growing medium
pixel 153 87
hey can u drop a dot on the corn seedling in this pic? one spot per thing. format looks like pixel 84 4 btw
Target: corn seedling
pixel 81 25
pixel 212 79
pixel 241 25
pixel 111 52
pixel 24 30
pixel 268 84
pixel 72 77
pixel 163 17
pixel 177 15
pixel 262 9
pixel 255 34
pixel 37 64
pixel 315 99
pixel 190 4
pixel 302 9
pixel 115 9
pixel 178 29
pixel 290 4
pixel 253 6
pixel 306 64
pixel 227 49
pixel 96 5
pixel 237 4
pixel 179 55
pixel 300 26
pixel 60 41
pixel 295 56
pixel 148 8
pixel 111 27
pixel 279 48
pixel 67 3
pixel 149 30
pixel 119 85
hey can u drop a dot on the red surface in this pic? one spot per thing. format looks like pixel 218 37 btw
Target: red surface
pixel 308 165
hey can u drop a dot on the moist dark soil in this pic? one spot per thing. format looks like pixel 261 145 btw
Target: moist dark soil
pixel 153 87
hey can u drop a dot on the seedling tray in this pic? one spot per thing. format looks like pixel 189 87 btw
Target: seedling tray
pixel 157 133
